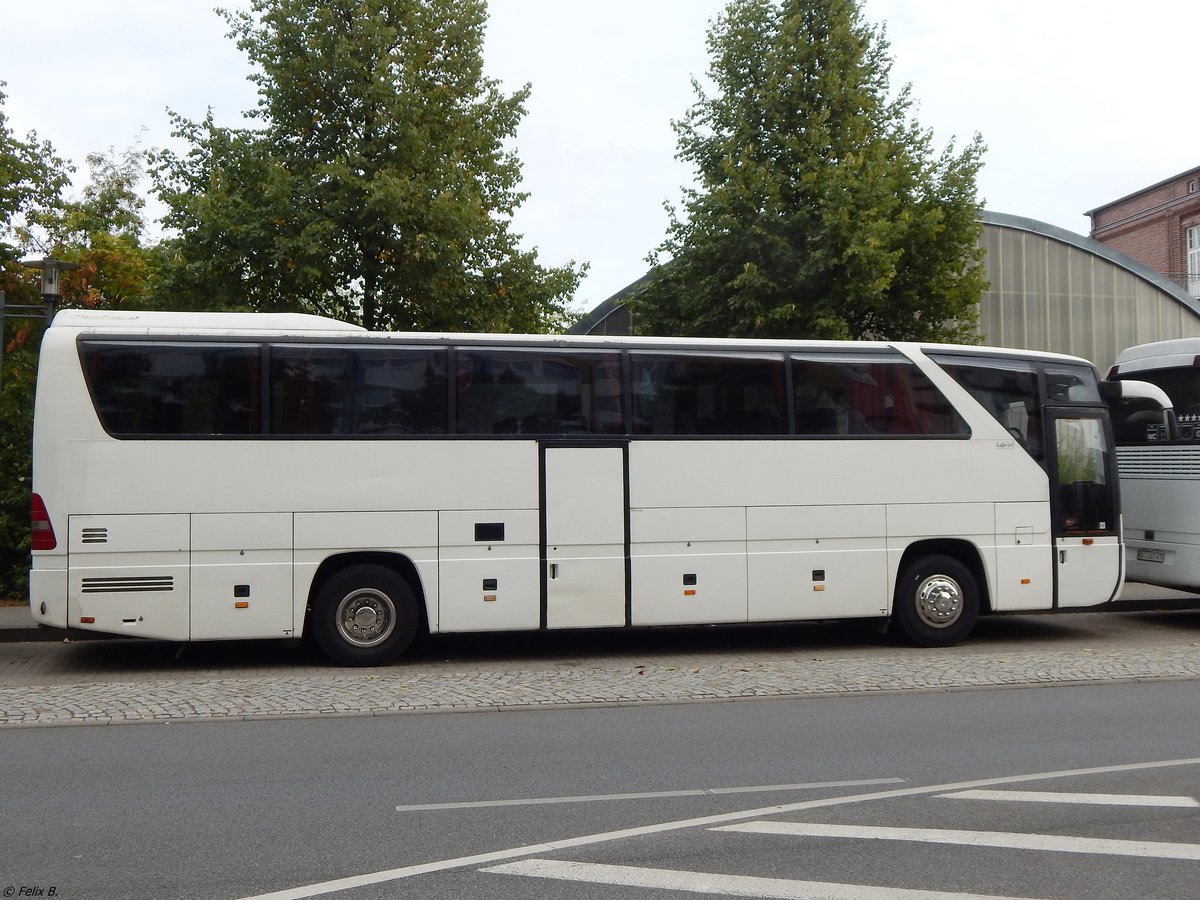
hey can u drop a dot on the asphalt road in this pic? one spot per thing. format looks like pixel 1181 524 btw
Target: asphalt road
pixel 620 786
pixel 782 798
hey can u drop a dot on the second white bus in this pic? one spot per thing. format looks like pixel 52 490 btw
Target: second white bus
pixel 223 476
pixel 1158 448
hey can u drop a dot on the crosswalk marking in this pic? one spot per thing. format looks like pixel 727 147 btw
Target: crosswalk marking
pixel 1008 840
pixel 1059 797
pixel 714 883
pixel 316 889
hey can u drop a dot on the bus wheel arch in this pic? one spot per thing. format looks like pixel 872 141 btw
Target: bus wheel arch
pixel 941 590
pixel 365 609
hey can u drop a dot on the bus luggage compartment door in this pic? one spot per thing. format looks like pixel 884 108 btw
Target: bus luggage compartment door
pixel 584 510
pixel 241 576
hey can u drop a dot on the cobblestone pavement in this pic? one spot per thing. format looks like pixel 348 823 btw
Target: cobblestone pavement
pixel 119 681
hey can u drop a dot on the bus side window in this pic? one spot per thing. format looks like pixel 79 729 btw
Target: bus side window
pixel 535 392
pixel 1007 389
pixel 707 394
pixel 869 393
pixel 149 389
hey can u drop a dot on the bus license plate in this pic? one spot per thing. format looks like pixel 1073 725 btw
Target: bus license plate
pixel 1151 556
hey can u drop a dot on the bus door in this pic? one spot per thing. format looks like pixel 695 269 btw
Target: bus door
pixel 1084 508
pixel 585 535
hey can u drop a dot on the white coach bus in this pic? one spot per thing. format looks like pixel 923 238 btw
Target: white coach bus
pixel 217 476
pixel 1158 449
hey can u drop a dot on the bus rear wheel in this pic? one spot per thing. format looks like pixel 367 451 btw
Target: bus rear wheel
pixel 936 602
pixel 365 615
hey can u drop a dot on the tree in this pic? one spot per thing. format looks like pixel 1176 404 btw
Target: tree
pixel 378 187
pixel 32 177
pixel 31 180
pixel 821 209
pixel 101 232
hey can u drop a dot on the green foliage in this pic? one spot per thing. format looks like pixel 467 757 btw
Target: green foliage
pixel 101 233
pixel 821 209
pixel 31 180
pixel 377 186
pixel 16 434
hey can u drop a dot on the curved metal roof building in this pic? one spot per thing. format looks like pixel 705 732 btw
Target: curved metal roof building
pixel 1049 289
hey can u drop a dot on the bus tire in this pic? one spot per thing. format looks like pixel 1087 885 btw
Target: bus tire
pixel 936 602
pixel 365 615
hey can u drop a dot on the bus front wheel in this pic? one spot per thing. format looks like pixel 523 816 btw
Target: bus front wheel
pixel 365 615
pixel 937 601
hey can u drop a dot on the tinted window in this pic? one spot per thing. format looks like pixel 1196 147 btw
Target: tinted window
pixel 868 393
pixel 358 390
pixel 696 393
pixel 538 392
pixel 1006 388
pixel 1181 385
pixel 1066 383
pixel 141 388
pixel 1138 420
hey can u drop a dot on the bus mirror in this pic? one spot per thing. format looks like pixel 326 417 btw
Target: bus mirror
pixel 1126 389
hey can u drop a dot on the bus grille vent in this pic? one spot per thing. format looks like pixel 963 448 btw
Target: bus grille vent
pixel 95 536
pixel 1159 462
pixel 131 584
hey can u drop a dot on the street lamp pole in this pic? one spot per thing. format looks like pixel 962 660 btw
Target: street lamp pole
pixel 50 297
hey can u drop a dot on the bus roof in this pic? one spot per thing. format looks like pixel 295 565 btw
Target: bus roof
pixel 303 325
pixel 176 322
pixel 1176 354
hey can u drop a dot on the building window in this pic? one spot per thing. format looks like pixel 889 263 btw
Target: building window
pixel 1193 260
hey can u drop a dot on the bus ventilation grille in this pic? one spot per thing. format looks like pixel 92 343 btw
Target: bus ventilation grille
pixel 94 536
pixel 130 585
pixel 1159 462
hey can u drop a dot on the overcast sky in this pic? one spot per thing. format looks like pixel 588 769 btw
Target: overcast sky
pixel 1079 103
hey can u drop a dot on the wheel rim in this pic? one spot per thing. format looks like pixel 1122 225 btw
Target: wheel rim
pixel 939 601
pixel 366 617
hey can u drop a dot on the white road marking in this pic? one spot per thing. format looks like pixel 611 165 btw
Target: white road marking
pixel 1055 797
pixel 712 883
pixel 341 884
pixel 1009 840
pixel 648 795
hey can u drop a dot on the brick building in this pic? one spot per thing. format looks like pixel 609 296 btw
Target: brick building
pixel 1158 226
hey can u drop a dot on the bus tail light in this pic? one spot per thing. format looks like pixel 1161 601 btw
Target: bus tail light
pixel 41 531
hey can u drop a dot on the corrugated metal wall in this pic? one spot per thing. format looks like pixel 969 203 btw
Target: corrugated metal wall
pixel 1054 290
pixel 1051 289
